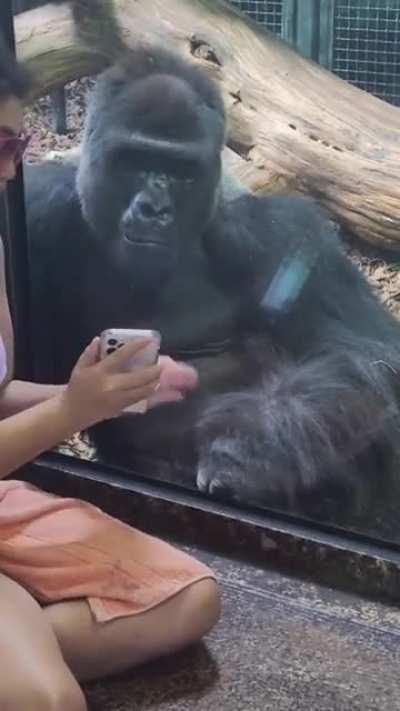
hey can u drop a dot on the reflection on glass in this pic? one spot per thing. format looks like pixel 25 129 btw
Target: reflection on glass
pixel 145 227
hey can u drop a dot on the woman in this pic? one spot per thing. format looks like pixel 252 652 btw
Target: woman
pixel 81 594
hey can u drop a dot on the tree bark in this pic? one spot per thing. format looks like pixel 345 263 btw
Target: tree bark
pixel 293 125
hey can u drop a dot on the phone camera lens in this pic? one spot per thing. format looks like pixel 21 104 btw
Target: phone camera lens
pixel 112 342
pixel 110 350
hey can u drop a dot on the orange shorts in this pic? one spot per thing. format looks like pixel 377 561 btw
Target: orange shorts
pixel 63 549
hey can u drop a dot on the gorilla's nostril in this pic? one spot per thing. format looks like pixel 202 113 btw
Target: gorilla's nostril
pixel 147 210
pixel 153 210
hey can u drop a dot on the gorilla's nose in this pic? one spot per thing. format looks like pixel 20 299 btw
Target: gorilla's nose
pixel 152 209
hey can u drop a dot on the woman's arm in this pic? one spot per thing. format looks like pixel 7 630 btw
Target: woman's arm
pixel 97 390
pixel 19 395
pixel 176 380
pixel 16 395
pixel 26 435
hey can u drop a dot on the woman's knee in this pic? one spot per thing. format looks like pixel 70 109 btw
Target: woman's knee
pixel 32 694
pixel 203 606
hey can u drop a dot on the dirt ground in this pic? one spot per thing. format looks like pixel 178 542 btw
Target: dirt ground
pixel 382 270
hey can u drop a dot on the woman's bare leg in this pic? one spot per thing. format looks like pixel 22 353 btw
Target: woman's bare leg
pixel 33 674
pixel 94 650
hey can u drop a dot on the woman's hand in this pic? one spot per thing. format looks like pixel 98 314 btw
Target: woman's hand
pixel 176 380
pixel 101 389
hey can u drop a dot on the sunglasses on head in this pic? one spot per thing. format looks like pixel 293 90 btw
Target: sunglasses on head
pixel 12 147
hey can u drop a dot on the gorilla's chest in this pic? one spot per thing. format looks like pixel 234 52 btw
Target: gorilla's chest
pixel 193 314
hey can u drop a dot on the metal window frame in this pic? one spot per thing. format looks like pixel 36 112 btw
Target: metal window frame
pixel 333 556
pixel 16 250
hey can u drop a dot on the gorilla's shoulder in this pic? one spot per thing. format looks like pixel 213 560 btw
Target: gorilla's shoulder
pixel 52 203
pixel 287 206
pixel 50 183
pixel 292 214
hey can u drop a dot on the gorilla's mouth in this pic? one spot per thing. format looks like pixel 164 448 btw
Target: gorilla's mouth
pixel 143 242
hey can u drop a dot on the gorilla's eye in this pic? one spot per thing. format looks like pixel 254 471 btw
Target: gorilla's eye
pixel 181 168
pixel 136 161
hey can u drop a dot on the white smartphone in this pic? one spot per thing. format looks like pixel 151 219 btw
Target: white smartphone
pixel 114 338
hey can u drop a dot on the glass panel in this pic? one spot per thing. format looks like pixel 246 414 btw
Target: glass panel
pixel 297 404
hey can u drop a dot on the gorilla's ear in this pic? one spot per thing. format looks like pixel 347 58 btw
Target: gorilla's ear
pixel 110 83
pixel 96 27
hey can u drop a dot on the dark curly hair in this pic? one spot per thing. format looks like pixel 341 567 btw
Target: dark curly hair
pixel 15 80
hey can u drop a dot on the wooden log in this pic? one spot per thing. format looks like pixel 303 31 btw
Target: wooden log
pixel 293 125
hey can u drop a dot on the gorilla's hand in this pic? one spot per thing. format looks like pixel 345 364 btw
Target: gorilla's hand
pixel 222 469
pixel 176 380
pixel 233 460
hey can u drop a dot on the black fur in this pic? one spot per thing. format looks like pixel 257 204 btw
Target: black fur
pixel 299 413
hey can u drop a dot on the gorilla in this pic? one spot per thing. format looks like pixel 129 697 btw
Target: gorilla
pixel 298 405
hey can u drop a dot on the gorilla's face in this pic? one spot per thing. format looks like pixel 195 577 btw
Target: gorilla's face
pixel 149 173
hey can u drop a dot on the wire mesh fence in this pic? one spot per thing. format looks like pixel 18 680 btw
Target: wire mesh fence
pixel 366 45
pixel 266 12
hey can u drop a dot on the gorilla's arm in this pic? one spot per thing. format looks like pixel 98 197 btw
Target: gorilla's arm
pixel 331 397
pixel 249 241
